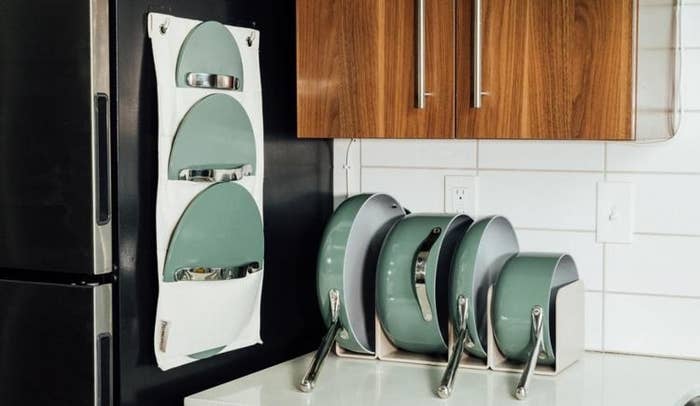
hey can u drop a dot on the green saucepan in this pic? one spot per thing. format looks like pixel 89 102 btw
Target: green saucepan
pixel 412 276
pixel 209 58
pixel 480 256
pixel 346 269
pixel 529 282
pixel 214 142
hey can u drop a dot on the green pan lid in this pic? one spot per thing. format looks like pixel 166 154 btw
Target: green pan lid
pixel 221 228
pixel 215 134
pixel 209 49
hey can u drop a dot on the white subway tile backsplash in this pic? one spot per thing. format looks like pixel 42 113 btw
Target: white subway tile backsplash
pixel 582 246
pixel 550 155
pixel 691 80
pixel 419 190
pixel 655 26
pixel 662 265
pixel 680 154
pixel 691 30
pixel 652 325
pixel 552 200
pixel 654 79
pixel 457 154
pixel 594 321
pixel 665 204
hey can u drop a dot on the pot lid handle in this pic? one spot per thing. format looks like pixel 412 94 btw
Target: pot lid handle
pixel 215 175
pixel 203 273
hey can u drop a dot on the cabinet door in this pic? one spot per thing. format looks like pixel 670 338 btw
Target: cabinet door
pixel 357 67
pixel 560 69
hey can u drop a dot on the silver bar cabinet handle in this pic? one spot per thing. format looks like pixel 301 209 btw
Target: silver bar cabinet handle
pixel 538 332
pixel 476 55
pixel 309 381
pixel 420 54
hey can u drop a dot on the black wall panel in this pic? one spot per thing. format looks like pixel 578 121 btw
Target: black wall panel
pixel 298 201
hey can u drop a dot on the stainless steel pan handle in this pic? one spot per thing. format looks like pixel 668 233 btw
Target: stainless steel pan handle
pixel 309 381
pixel 447 384
pixel 420 262
pixel 538 332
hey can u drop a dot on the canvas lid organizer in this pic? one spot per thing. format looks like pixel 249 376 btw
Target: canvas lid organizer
pixel 209 225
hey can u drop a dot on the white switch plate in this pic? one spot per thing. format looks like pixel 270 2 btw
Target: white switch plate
pixel 615 222
pixel 460 194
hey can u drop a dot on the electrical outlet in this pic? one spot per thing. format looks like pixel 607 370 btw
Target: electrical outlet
pixel 460 194
pixel 615 219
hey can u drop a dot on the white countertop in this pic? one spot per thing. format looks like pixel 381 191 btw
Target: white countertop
pixel 598 379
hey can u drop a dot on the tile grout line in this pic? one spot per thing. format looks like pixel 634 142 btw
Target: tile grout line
pixel 479 169
pixel 604 257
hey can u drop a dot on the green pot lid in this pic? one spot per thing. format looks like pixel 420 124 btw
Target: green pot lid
pixel 221 228
pixel 347 262
pixel 401 307
pixel 216 133
pixel 483 251
pixel 528 280
pixel 210 49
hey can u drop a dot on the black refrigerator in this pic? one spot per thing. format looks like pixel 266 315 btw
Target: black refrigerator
pixel 55 204
pixel 78 153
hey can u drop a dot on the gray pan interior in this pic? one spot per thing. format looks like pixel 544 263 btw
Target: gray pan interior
pixel 373 221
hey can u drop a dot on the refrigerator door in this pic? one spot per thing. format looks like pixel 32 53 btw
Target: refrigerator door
pixel 54 136
pixel 55 344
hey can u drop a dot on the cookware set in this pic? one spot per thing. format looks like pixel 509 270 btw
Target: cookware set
pixel 441 286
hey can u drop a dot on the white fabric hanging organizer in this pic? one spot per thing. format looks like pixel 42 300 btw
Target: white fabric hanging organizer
pixel 207 308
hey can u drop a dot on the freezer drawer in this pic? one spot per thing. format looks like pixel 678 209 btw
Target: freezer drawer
pixel 55 136
pixel 55 344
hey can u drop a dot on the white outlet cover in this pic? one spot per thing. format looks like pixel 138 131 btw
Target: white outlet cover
pixel 460 194
pixel 615 218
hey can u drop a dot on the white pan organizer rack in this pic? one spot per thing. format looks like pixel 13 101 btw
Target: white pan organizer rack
pixel 209 229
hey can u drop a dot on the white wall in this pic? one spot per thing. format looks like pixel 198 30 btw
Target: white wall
pixel 642 297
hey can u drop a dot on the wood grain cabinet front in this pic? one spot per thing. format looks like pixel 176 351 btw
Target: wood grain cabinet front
pixel 484 69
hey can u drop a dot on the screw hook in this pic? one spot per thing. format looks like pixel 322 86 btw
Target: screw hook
pixel 164 27
pixel 251 38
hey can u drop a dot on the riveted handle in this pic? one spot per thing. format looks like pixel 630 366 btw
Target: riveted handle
pixel 309 381
pixel 212 175
pixel 538 334
pixel 420 262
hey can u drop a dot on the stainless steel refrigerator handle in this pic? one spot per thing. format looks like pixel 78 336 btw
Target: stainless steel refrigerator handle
pixel 309 380
pixel 476 55
pixel 215 175
pixel 212 81
pixel 420 54
pixel 447 384
pixel 538 332
pixel 420 262
pixel 202 273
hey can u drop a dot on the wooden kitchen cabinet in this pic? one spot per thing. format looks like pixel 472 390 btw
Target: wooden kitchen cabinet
pixel 357 67
pixel 550 69
pixel 559 69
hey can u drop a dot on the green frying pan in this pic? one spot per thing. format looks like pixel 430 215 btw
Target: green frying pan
pixel 209 58
pixel 412 275
pixel 214 142
pixel 345 274
pixel 481 254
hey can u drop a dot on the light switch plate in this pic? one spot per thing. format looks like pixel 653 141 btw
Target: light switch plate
pixel 460 194
pixel 615 219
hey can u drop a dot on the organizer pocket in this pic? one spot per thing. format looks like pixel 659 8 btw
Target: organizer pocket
pixel 212 274
pixel 210 58
pixel 199 319
pixel 214 142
